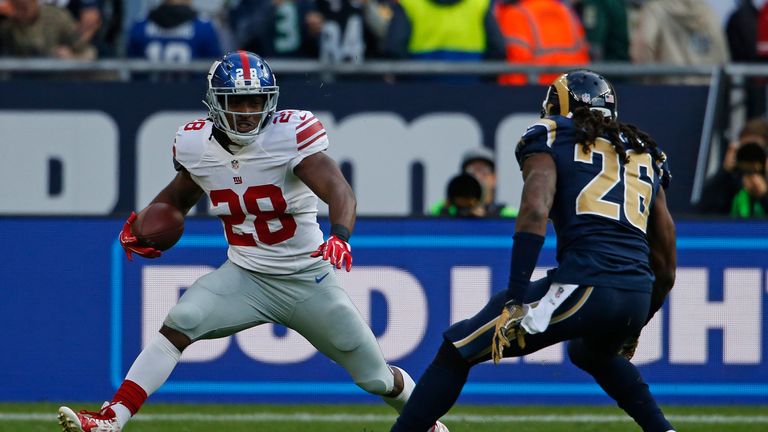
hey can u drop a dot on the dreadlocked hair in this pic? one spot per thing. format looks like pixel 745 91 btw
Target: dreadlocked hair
pixel 593 125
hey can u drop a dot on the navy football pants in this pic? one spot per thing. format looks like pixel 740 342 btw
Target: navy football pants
pixel 595 320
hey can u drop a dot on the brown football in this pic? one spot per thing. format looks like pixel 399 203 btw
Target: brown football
pixel 159 225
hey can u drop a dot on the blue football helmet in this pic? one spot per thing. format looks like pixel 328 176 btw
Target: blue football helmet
pixel 580 88
pixel 240 73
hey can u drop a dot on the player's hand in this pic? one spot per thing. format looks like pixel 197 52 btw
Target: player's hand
pixel 630 345
pixel 130 243
pixel 508 327
pixel 337 251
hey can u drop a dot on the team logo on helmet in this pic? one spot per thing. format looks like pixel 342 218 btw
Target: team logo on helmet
pixel 580 88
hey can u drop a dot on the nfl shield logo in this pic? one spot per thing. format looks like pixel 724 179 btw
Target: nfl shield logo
pixel 235 164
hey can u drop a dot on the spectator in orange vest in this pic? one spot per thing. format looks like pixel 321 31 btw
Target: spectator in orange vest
pixel 541 32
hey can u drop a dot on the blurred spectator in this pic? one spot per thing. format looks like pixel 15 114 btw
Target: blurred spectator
pixel 755 130
pixel 85 12
pixel 98 21
pixel 35 30
pixel 741 30
pixel 464 198
pixel 352 30
pixel 5 12
pixel 218 12
pixel 751 200
pixel 5 9
pixel 480 163
pixel 678 32
pixel 742 33
pixel 277 28
pixel 448 30
pixel 719 191
pixel 174 33
pixel 605 24
pixel 541 32
pixel 109 37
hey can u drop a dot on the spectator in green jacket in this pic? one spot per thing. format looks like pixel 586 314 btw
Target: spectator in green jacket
pixel 479 163
pixel 751 201
pixel 605 23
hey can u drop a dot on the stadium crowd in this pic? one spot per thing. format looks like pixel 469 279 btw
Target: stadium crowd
pixel 544 32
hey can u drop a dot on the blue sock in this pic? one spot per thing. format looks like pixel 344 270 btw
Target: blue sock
pixel 621 380
pixel 436 391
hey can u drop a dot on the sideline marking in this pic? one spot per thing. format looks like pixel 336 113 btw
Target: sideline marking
pixel 381 418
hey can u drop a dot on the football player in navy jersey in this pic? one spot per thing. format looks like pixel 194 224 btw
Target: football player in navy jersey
pixel 601 183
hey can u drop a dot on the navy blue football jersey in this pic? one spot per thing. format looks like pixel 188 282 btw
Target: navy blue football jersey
pixel 182 43
pixel 601 207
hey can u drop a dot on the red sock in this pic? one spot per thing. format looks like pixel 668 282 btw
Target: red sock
pixel 130 395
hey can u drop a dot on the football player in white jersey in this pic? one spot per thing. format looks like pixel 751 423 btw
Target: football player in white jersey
pixel 263 171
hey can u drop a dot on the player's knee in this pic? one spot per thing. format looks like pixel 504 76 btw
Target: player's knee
pixel 347 334
pixel 579 354
pixel 375 386
pixel 448 357
pixel 184 316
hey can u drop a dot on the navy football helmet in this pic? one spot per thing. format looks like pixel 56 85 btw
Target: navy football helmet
pixel 580 88
pixel 240 73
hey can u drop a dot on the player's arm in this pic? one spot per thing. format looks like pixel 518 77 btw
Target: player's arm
pixel 182 192
pixel 540 177
pixel 663 259
pixel 321 174
pixel 663 255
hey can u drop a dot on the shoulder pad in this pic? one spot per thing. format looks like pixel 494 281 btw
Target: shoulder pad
pixel 190 142
pixel 304 126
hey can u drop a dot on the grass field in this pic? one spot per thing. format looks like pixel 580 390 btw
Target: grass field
pixel 41 417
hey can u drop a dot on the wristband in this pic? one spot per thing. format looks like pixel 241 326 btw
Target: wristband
pixel 525 253
pixel 340 231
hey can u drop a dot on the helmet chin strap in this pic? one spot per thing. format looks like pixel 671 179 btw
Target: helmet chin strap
pixel 241 140
pixel 604 111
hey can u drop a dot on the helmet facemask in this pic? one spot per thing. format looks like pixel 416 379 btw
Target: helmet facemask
pixel 550 105
pixel 219 99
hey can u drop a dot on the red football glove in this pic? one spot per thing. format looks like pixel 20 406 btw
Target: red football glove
pixel 336 251
pixel 130 243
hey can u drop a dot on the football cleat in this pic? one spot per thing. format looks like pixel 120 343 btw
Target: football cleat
pixel 89 421
pixel 438 427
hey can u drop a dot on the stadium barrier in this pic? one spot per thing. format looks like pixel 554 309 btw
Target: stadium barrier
pixel 101 148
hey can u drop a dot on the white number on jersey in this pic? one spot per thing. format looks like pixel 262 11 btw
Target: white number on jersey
pixel 169 52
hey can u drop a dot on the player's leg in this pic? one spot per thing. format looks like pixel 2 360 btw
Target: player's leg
pixel 214 306
pixel 326 317
pixel 329 321
pixel 597 354
pixel 464 344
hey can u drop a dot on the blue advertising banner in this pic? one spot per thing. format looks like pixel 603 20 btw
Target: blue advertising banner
pixel 76 313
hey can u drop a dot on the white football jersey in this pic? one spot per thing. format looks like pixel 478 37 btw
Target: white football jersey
pixel 269 214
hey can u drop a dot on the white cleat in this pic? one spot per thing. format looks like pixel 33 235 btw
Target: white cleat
pixel 89 421
pixel 438 427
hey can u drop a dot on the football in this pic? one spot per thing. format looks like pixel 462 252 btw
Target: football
pixel 159 225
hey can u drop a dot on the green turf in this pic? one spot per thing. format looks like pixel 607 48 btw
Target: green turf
pixel 283 418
